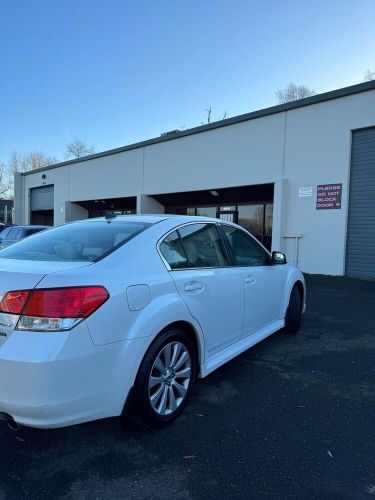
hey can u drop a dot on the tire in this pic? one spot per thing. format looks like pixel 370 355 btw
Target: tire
pixel 294 312
pixel 165 378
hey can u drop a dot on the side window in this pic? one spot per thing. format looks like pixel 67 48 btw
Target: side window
pixel 246 251
pixel 202 245
pixel 172 251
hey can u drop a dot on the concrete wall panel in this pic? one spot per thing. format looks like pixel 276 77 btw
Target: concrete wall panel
pixel 237 155
pixel 318 141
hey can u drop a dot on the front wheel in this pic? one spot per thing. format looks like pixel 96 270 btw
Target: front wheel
pixel 165 377
pixel 294 312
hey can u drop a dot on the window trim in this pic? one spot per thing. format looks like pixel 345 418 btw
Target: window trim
pixel 226 255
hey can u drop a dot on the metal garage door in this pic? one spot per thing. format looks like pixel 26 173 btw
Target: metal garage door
pixel 360 245
pixel 41 198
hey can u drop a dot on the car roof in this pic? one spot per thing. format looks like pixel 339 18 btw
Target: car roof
pixel 152 218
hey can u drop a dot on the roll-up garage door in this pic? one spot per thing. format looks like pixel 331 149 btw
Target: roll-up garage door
pixel 41 198
pixel 360 244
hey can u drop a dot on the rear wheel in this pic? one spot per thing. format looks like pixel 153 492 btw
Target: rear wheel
pixel 294 312
pixel 165 378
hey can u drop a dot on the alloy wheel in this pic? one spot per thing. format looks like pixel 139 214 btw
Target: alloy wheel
pixel 169 378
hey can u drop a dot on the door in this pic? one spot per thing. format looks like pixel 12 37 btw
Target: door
pixel 42 205
pixel 228 215
pixel 263 282
pixel 360 241
pixel 212 291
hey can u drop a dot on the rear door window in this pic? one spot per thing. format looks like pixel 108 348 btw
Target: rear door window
pixel 202 245
pixel 173 252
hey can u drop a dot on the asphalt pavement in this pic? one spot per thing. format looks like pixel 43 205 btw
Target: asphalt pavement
pixel 292 418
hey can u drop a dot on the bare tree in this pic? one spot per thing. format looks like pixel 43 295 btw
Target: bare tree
pixel 208 119
pixel 19 162
pixel 77 149
pixel 209 116
pixel 5 181
pixel 293 92
pixel 369 75
pixel 29 161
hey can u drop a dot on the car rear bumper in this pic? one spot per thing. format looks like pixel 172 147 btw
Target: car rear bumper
pixel 57 379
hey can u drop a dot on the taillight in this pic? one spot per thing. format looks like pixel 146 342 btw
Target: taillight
pixel 77 302
pixel 14 302
pixel 53 309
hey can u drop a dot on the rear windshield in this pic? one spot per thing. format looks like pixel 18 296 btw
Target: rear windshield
pixel 83 241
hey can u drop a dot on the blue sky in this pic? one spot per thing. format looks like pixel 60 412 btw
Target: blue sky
pixel 114 72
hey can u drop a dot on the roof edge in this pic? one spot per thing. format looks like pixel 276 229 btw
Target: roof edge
pixel 307 101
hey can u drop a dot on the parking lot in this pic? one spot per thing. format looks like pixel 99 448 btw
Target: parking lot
pixel 291 418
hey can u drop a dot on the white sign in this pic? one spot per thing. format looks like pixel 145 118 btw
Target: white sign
pixel 305 192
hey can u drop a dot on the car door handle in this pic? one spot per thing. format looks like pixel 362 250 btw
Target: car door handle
pixel 193 286
pixel 250 280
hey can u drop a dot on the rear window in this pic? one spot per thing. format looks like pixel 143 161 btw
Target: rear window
pixel 83 241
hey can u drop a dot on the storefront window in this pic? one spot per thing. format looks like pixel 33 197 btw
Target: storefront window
pixel 268 220
pixel 257 218
pixel 207 211
pixel 252 218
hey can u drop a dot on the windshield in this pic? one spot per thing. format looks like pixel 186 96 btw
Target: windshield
pixel 83 241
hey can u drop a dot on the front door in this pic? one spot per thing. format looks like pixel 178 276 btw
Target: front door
pixel 263 283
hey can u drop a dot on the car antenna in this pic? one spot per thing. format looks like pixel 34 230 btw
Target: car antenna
pixel 109 216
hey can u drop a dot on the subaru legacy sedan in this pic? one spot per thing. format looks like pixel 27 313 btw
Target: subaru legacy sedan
pixel 101 315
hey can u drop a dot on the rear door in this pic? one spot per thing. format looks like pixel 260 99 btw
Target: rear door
pixel 211 289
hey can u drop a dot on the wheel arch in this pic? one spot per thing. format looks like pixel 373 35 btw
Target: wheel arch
pixel 301 290
pixel 193 335
pixel 295 279
pixel 198 346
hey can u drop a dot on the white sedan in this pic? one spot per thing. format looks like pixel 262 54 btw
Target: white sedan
pixel 99 313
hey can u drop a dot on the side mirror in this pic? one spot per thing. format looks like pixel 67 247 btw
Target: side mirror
pixel 278 258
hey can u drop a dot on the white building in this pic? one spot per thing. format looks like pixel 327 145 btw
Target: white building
pixel 300 174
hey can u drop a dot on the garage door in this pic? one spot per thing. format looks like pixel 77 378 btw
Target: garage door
pixel 360 245
pixel 41 198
